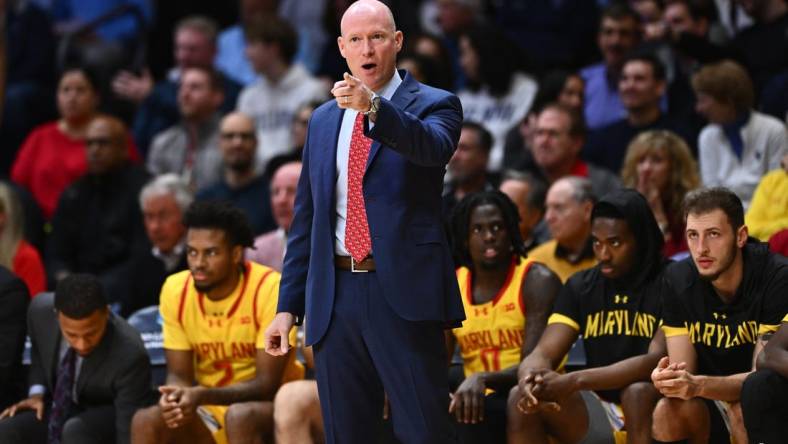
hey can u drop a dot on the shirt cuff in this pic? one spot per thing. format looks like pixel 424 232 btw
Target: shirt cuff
pixel 36 389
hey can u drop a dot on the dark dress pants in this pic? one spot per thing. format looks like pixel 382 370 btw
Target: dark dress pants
pixel 94 425
pixel 367 349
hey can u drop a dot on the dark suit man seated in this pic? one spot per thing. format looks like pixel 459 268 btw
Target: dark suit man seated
pixel 89 371
pixel 13 306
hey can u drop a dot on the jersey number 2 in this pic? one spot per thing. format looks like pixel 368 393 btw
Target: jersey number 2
pixel 227 366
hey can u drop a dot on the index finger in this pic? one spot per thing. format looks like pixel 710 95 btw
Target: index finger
pixel 352 81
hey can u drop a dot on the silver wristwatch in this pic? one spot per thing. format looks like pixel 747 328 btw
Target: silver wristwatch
pixel 374 105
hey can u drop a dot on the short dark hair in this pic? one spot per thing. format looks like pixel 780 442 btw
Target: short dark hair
pixel 221 215
pixel 271 29
pixel 577 122
pixel 461 218
pixel 619 11
pixel 657 67
pixel 537 188
pixel 79 295
pixel 485 137
pixel 706 200
pixel 215 79
pixel 88 73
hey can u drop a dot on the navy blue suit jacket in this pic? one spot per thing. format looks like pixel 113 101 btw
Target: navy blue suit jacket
pixel 414 136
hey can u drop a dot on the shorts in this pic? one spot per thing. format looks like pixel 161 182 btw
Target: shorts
pixel 719 422
pixel 213 418
pixel 610 429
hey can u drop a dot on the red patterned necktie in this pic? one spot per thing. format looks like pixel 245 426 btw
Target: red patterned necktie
pixel 357 240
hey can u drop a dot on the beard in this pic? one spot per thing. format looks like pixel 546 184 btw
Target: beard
pixel 204 288
pixel 725 263
pixel 241 165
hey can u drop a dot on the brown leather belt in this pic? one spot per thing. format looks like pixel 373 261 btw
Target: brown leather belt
pixel 347 263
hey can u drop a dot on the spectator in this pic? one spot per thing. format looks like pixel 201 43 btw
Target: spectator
pixel 269 248
pixel 640 87
pixel 220 381
pixel 53 155
pixel 528 194
pixel 298 133
pixel 89 370
pixel 431 47
pixel 97 227
pixel 241 185
pixel 568 216
pixel 562 87
pixel 283 86
pixel 764 45
pixel 499 93
pixel 189 148
pixel 29 56
pixel 163 202
pixel 195 46
pixel 14 299
pixel 15 253
pixel 739 145
pixel 558 138
pixel 468 166
pixel 231 44
pixel 718 305
pixel 768 212
pixel 619 354
pixel 659 165
pixel 763 392
pixel 452 18
pixel 72 14
pixel 619 33
pixel 505 295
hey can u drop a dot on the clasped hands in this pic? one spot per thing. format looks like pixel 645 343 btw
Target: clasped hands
pixel 351 93
pixel 674 381
pixel 178 404
pixel 543 389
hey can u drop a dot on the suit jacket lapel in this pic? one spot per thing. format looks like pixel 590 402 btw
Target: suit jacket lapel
pixel 324 154
pixel 402 98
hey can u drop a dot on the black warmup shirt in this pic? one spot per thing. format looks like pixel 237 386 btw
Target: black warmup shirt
pixel 724 335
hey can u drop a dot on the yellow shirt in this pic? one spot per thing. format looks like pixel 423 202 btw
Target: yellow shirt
pixel 491 337
pixel 768 212
pixel 546 254
pixel 224 335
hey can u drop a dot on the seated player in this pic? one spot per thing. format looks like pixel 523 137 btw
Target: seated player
pixel 220 381
pixel 616 307
pixel 719 304
pixel 764 392
pixel 507 299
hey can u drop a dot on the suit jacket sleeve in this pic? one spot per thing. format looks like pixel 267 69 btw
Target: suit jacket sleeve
pixel 292 290
pixel 133 391
pixel 427 141
pixel 38 374
pixel 13 306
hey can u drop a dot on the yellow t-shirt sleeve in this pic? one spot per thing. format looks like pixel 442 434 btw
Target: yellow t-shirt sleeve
pixel 558 318
pixel 174 335
pixel 785 319
pixel 674 331
pixel 768 328
pixel 267 300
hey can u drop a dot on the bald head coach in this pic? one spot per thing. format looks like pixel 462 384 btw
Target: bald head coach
pixel 368 265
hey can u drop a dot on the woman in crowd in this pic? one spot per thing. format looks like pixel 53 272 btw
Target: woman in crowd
pixel 739 145
pixel 658 163
pixel 53 155
pixel 499 92
pixel 16 254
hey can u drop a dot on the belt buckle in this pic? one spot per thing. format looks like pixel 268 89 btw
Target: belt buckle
pixel 353 266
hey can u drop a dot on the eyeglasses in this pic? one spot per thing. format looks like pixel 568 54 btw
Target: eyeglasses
pixel 99 142
pixel 244 136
